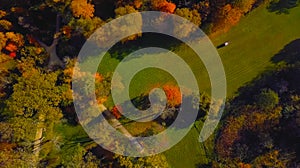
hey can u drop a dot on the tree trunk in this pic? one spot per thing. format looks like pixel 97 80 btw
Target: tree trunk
pixel 51 50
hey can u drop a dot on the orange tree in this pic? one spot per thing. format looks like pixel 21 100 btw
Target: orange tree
pixel 173 95
pixel 163 5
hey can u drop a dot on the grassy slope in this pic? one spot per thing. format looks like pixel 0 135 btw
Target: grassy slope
pixel 254 41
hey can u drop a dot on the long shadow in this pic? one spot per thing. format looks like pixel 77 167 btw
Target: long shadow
pixel 289 54
pixel 121 50
pixel 222 45
pixel 169 114
pixel 284 80
pixel 273 78
pixel 282 6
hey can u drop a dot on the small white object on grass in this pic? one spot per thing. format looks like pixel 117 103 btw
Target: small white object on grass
pixel 226 43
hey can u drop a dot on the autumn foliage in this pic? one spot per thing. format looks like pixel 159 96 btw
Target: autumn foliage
pixel 163 5
pixel 10 42
pixel 244 165
pixel 173 95
pixel 226 17
pixel 81 8
pixel 7 146
pixel 116 112
pixel 12 48
pixel 137 4
pixel 100 83
pixel 244 5
pixel 229 135
pixel 66 30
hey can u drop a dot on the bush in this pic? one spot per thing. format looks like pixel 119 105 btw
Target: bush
pixel 267 99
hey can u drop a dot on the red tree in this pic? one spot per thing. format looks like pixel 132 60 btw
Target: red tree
pixel 116 112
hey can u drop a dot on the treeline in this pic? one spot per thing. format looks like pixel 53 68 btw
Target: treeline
pixel 70 22
pixel 211 15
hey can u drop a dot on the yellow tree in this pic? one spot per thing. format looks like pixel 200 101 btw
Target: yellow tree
pixel 121 11
pixel 81 8
pixel 149 161
pixel 184 30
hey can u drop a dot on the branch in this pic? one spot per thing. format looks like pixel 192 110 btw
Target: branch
pixel 42 44
pixel 57 33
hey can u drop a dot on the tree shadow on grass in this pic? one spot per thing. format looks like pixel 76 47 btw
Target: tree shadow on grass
pixel 274 78
pixel 282 6
pixel 170 113
pixel 284 80
pixel 121 50
pixel 289 54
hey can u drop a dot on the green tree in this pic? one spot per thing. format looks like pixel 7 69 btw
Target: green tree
pixel 85 26
pixel 184 30
pixel 191 15
pixel 267 99
pixel 147 162
pixel 78 157
pixel 34 107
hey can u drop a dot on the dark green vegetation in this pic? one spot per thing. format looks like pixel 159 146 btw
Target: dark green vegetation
pixel 39 41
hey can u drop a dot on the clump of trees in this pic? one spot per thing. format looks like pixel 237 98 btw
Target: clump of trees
pixel 253 130
pixel 151 161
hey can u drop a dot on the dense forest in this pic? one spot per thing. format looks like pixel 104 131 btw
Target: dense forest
pixel 39 44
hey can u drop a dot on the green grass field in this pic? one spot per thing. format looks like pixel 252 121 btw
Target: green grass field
pixel 253 42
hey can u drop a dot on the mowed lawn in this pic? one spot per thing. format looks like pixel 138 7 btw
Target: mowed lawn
pixel 253 42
